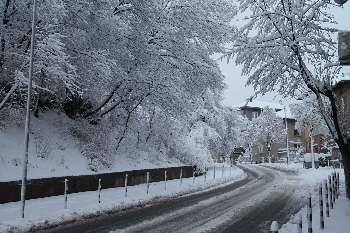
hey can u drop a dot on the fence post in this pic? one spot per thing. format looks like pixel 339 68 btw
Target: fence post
pixel 180 177
pixel 126 185
pixel 65 193
pixel 147 179
pixel 99 190
pixel 333 186
pixel 193 175
pixel 309 214
pixel 223 168
pixel 337 179
pixel 299 224
pixel 165 178
pixel 326 197
pixel 274 227
pixel 321 207
pixel 330 191
pixel 214 172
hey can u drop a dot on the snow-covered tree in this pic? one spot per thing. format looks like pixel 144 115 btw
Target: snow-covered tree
pixel 269 127
pixel 264 130
pixel 281 47
pixel 53 71
pixel 144 69
pixel 308 112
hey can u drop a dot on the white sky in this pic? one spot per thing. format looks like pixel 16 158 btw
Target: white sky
pixel 237 92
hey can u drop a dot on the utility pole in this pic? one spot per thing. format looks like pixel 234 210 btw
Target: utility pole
pixel 312 147
pixel 26 130
pixel 285 118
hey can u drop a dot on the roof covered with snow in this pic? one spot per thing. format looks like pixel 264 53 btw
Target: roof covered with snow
pixel 259 104
pixel 343 76
pixel 287 114
pixel 262 104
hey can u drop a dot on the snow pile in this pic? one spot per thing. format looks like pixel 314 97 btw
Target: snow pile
pixel 338 221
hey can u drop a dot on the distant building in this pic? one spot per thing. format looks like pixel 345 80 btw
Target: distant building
pixel 253 109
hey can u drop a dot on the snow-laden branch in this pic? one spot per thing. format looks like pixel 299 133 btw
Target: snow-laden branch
pixel 11 91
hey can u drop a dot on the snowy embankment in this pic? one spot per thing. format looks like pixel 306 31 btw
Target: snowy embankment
pixel 55 152
pixel 45 212
pixel 310 179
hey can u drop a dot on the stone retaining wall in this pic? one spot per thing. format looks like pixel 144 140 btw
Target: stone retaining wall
pixel 46 187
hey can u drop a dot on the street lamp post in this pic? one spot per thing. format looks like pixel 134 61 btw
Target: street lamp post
pixel 312 146
pixel 27 122
pixel 285 118
pixel 268 146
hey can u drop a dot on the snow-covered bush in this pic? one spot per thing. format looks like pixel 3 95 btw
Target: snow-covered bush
pixel 12 116
pixel 94 142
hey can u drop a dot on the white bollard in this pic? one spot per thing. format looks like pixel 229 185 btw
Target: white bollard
pixel 126 185
pixel 99 190
pixel 193 175
pixel 309 214
pixel 321 207
pixel 333 186
pixel 330 192
pixel 165 178
pixel 326 197
pixel 274 227
pixel 147 180
pixel 299 223
pixel 180 177
pixel 336 184
pixel 65 193
pixel 214 172
pixel 223 168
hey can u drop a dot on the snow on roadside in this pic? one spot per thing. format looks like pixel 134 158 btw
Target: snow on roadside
pixel 54 152
pixel 338 221
pixel 43 212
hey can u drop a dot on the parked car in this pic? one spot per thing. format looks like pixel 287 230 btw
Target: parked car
pixel 308 160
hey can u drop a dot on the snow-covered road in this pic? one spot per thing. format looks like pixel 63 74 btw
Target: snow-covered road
pixel 245 206
pixel 226 203
pixel 248 208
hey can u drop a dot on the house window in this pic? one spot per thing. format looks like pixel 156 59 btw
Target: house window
pixel 296 132
pixel 260 149
pixel 255 115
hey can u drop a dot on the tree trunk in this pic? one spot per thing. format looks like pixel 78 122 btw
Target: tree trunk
pixel 37 102
pixel 2 40
pixel 13 88
pixel 345 152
